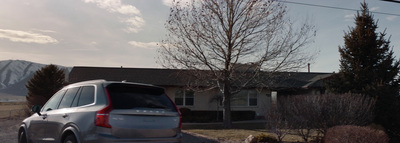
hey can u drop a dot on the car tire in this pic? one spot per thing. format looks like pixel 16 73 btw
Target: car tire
pixel 70 139
pixel 22 137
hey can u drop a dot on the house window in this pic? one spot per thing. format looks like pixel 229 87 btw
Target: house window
pixel 253 99
pixel 184 97
pixel 245 98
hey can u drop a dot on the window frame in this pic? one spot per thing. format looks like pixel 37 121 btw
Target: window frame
pixel 73 97
pixel 77 97
pixel 59 94
pixel 184 97
pixel 248 98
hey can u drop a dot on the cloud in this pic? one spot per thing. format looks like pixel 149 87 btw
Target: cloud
pixel 169 2
pixel 149 45
pixel 391 18
pixel 115 6
pixel 374 8
pixel 349 17
pixel 128 9
pixel 26 37
pixel 134 21
pixel 44 31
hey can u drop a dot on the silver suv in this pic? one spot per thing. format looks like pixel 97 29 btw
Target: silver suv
pixel 104 111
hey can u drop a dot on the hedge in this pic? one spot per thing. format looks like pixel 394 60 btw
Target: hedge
pixel 214 116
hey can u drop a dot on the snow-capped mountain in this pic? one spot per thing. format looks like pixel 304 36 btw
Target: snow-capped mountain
pixel 15 73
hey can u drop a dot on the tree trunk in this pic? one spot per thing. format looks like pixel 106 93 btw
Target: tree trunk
pixel 227 107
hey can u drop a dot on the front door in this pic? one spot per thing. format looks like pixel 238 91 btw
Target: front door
pixel 36 130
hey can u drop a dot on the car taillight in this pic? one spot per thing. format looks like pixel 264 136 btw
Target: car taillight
pixel 180 117
pixel 179 112
pixel 102 116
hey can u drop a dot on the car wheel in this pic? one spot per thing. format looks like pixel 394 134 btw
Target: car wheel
pixel 22 137
pixel 70 139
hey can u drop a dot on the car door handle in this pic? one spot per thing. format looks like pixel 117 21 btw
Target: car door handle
pixel 65 116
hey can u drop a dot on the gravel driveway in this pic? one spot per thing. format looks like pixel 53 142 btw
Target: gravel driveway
pixel 8 133
pixel 8 130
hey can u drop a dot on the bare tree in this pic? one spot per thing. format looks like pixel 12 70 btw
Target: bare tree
pixel 227 43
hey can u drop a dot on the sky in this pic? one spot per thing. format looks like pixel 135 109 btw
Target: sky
pixel 115 33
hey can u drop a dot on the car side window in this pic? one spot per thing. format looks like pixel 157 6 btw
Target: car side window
pixel 69 96
pixel 86 96
pixel 54 101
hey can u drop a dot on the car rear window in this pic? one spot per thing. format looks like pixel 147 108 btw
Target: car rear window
pixel 129 96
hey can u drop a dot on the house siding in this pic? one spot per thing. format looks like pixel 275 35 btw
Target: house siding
pixel 203 101
pixel 285 83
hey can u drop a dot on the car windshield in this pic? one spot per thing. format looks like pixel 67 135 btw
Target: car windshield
pixel 128 96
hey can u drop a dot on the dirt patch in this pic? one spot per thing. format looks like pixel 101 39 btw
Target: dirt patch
pixel 9 130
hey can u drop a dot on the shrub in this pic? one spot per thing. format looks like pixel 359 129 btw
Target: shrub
pixel 277 122
pixel 308 112
pixel 185 111
pixel 186 114
pixel 355 134
pixel 203 116
pixel 212 116
pixel 266 138
pixel 243 115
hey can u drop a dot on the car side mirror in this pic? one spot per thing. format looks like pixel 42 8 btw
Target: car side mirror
pixel 36 109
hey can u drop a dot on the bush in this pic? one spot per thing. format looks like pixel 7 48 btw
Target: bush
pixel 185 111
pixel 214 116
pixel 186 114
pixel 266 138
pixel 355 134
pixel 320 112
pixel 243 115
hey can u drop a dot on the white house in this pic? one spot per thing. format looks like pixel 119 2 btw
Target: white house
pixel 175 83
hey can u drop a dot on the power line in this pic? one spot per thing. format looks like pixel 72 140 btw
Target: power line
pixel 333 7
pixel 396 1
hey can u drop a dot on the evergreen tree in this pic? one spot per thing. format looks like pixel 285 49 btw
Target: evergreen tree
pixel 44 83
pixel 367 66
pixel 367 63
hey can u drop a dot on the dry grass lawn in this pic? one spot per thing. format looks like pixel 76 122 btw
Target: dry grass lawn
pixel 12 109
pixel 240 134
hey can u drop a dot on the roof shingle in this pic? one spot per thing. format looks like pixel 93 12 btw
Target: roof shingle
pixel 174 77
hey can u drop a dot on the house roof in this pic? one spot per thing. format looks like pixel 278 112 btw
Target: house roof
pixel 173 77
pixel 162 77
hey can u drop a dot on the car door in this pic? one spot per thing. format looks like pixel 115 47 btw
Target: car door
pixel 38 126
pixel 36 130
pixel 57 119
